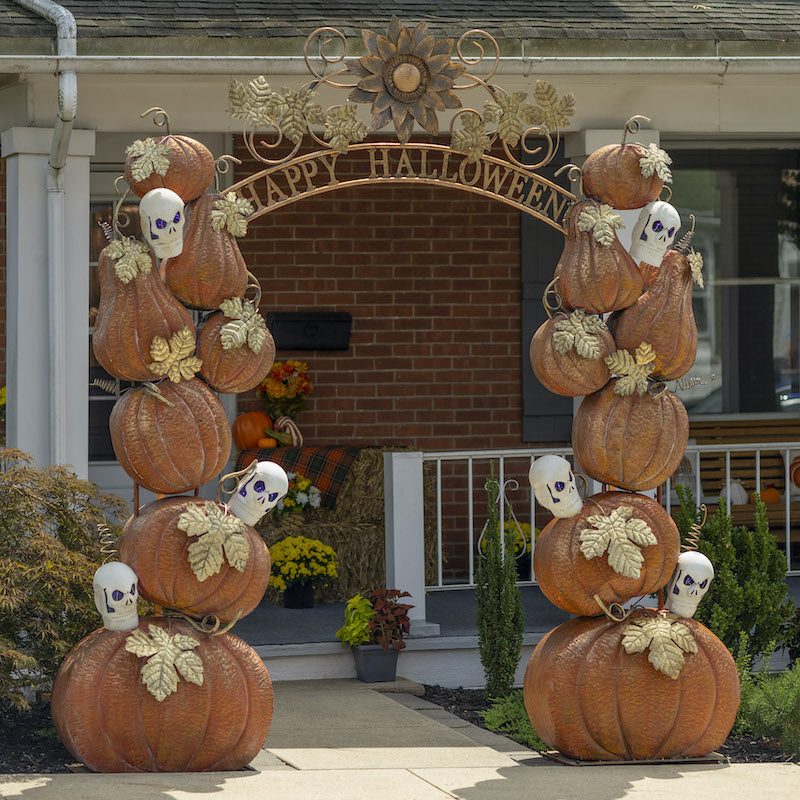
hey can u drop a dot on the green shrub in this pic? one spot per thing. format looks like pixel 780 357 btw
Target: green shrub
pixel 49 551
pixel 509 717
pixel 748 592
pixel 498 602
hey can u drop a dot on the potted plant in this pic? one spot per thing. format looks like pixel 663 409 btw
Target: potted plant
pixel 298 566
pixel 375 627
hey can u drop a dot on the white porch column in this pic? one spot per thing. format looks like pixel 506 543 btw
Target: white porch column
pixel 26 151
pixel 405 534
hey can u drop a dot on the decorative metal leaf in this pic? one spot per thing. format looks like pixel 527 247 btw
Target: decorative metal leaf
pixel 342 128
pixel 230 212
pixel 251 102
pixel 149 156
pixel 132 258
pixel 633 371
pixel 471 138
pixel 175 358
pixel 247 326
pixel 579 330
pixel 667 639
pixel 622 535
pixel 654 162
pixel 512 113
pixel 299 112
pixel 604 220
pixel 167 656
pixel 696 264
pixel 554 113
pixel 219 534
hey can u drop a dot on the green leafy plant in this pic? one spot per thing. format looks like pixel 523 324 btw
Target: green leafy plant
pixel 376 619
pixel 498 602
pixel 748 592
pixel 297 559
pixel 49 551
pixel 509 717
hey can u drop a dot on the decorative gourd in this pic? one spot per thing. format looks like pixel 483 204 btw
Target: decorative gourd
pixel 625 175
pixel 591 698
pixel 108 718
pixel 739 495
pixel 768 495
pixel 595 272
pixel 210 268
pixel 634 442
pixel 664 318
pixel 236 348
pixel 179 163
pixel 567 354
pixel 794 471
pixel 135 307
pixel 249 427
pixel 620 545
pixel 288 427
pixel 194 556
pixel 173 442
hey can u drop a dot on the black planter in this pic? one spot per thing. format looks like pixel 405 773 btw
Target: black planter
pixel 299 595
pixel 374 664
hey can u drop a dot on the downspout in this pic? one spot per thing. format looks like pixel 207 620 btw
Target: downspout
pixel 67 33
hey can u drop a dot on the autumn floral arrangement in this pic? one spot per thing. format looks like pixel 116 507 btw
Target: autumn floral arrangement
pixel 285 389
pixel 517 534
pixel 297 559
pixel 302 495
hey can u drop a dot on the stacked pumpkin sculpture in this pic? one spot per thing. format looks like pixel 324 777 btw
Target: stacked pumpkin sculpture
pixel 610 684
pixel 176 692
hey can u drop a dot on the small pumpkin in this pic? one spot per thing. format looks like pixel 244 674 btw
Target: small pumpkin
pixel 595 272
pixel 620 545
pixel 567 354
pixel 174 162
pixel 109 720
pixel 632 442
pixel 135 307
pixel 266 443
pixel 210 268
pixel 249 427
pixel 172 442
pixel 590 698
pixel 188 556
pixel 769 495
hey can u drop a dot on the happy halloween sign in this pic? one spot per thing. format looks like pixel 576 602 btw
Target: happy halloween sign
pixel 316 173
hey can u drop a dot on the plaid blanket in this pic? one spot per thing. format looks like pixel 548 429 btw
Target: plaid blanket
pixel 325 467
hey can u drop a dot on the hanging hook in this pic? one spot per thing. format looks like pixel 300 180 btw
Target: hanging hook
pixel 633 125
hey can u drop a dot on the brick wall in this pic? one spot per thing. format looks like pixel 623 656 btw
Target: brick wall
pixel 431 278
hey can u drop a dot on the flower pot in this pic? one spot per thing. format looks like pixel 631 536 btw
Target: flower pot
pixel 374 664
pixel 299 595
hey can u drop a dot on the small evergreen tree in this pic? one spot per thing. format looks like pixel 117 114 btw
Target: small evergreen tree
pixel 498 601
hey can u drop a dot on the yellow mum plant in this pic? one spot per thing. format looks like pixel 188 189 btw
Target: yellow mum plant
pixel 297 559
pixel 517 534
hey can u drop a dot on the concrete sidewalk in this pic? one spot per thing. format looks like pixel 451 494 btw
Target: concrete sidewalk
pixel 344 740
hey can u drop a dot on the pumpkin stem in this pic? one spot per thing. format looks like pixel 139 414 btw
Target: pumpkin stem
pixel 633 125
pixel 154 391
pixel 574 174
pixel 686 239
pixel 160 117
pixel 693 536
pixel 210 624
pixel 221 167
pixel 615 612
pixel 551 299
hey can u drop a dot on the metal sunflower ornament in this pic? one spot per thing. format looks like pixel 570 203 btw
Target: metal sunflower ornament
pixel 407 76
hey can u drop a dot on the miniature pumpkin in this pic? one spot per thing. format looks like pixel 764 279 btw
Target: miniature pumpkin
pixel 266 443
pixel 174 442
pixel 663 317
pixel 613 175
pixel 188 556
pixel 179 163
pixel 135 307
pixel 634 442
pixel 109 720
pixel 620 545
pixel 557 354
pixel 592 699
pixel 249 427
pixel 210 268
pixel 596 274
pixel 768 495
pixel 231 365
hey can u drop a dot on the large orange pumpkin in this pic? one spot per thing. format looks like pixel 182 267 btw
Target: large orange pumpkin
pixel 156 546
pixel 570 580
pixel 664 318
pixel 109 720
pixel 249 427
pixel 189 171
pixel 589 698
pixel 594 276
pixel 173 446
pixel 210 268
pixel 613 175
pixel 133 311
pixel 633 442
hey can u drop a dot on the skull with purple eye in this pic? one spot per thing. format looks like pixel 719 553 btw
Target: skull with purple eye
pixel 116 589
pixel 689 583
pixel 654 232
pixel 162 218
pixel 260 489
pixel 553 484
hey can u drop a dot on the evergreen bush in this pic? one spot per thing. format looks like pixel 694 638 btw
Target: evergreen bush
pixel 498 602
pixel 49 551
pixel 509 717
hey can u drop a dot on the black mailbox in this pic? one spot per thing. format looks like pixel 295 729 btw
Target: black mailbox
pixel 310 330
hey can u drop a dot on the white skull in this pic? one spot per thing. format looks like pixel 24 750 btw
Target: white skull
pixel 116 590
pixel 654 232
pixel 689 582
pixel 554 486
pixel 261 488
pixel 161 215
